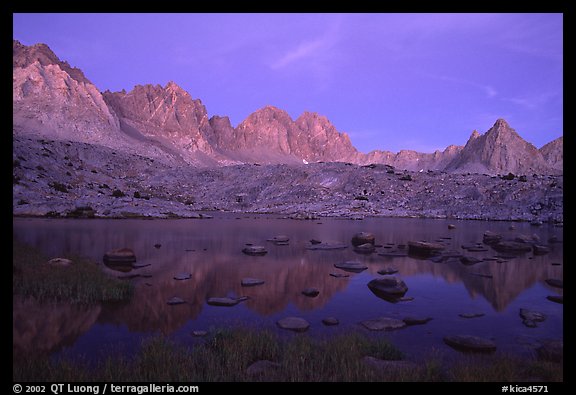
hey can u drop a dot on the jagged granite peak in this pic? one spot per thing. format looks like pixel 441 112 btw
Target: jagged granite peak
pixel 50 98
pixel 168 113
pixel 54 100
pixel 499 150
pixel 553 153
pixel 23 56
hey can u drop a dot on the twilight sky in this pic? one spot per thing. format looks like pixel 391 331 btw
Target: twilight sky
pixel 391 81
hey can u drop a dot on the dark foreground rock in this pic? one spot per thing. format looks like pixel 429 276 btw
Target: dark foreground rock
pixel 470 343
pixel 389 288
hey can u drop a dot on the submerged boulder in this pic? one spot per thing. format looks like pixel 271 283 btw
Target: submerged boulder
pixel 470 343
pixel 389 288
pixel 424 249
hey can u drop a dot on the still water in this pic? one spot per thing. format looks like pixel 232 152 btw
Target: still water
pixel 211 251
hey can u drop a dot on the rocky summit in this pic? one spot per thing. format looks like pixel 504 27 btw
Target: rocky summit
pixel 155 152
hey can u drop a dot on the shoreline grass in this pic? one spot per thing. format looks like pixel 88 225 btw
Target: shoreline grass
pixel 81 283
pixel 225 356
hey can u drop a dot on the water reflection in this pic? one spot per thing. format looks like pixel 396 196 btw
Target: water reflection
pixel 210 250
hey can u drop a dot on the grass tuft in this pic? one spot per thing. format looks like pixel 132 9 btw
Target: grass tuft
pixel 81 283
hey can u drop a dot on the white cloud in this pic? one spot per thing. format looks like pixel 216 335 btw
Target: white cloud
pixel 315 51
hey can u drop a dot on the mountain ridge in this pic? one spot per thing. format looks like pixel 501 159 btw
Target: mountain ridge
pixel 52 98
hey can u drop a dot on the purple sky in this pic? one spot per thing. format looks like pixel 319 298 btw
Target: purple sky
pixel 391 81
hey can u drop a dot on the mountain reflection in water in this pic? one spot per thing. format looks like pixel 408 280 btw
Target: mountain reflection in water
pixel 210 250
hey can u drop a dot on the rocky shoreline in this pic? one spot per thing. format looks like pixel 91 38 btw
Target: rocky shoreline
pixel 53 178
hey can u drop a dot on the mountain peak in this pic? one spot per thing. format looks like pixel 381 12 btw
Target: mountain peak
pixel 171 86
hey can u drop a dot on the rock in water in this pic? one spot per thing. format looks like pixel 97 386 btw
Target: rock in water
pixel 388 288
pixel 383 324
pixel 556 298
pixel 387 271
pixel 530 317
pixel 512 247
pixel 329 321
pixel 351 266
pixel 491 237
pixel 228 302
pixel 556 283
pixel 366 248
pixel 175 300
pixel 255 250
pixel 311 292
pixel 120 256
pixel 251 282
pixel 183 276
pixel 363 238
pixel 416 320
pixel 424 249
pixel 471 315
pixel 470 343
pixel 339 275
pixel 280 240
pixel 296 324
pixel 60 262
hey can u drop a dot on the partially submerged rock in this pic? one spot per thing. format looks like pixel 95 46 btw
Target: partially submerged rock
pixel 424 249
pixel 120 256
pixel 255 250
pixel 311 292
pixel 388 288
pixel 554 282
pixel 183 276
pixel 351 266
pixel 280 240
pixel 471 315
pixel 330 321
pixel 470 343
pixel 416 320
pixel 363 238
pixel 60 262
pixel 227 302
pixel 490 237
pixel 296 324
pixel 531 318
pixel 175 300
pixel 251 282
pixel 366 248
pixel 383 324
pixel 326 246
